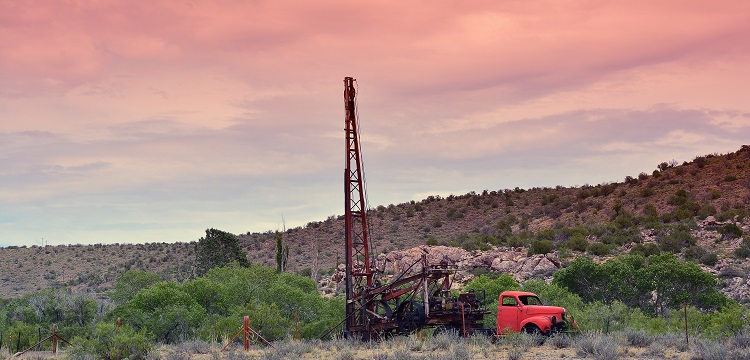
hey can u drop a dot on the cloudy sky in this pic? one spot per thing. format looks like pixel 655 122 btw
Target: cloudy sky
pixel 150 121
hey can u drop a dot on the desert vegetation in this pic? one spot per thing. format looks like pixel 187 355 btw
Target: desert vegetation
pixel 636 259
pixel 613 302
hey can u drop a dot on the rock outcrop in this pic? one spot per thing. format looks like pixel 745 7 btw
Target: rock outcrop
pixel 734 274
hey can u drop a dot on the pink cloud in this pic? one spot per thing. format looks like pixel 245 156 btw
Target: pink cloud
pixel 443 45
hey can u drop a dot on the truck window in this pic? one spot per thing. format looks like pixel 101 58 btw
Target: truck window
pixel 509 301
pixel 530 300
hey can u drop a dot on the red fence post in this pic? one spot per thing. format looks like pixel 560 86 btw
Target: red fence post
pixel 246 330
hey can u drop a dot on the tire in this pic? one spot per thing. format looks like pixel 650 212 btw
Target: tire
pixel 535 332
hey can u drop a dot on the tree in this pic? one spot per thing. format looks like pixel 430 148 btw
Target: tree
pixel 164 310
pixel 131 282
pixel 674 282
pixel 218 248
pixel 208 294
pixel 655 284
pixel 492 287
pixel 585 278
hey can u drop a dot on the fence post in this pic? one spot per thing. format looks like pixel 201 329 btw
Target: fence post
pixel 687 342
pixel 246 330
pixel 54 339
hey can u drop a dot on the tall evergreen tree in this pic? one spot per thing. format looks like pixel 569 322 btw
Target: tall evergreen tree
pixel 218 248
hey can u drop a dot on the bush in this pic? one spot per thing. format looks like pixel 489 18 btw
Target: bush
pixel 597 345
pixel 577 243
pixel 645 250
pixel 598 248
pixel 710 350
pixel 561 341
pixel 649 210
pixel 743 251
pixel 730 231
pixel 108 343
pixel 709 259
pixel 694 252
pixel 638 338
pixel 492 286
pixel 540 247
pixel 676 240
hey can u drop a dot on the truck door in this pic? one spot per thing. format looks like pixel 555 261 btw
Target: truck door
pixel 508 311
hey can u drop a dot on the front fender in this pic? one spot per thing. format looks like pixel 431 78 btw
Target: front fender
pixel 544 323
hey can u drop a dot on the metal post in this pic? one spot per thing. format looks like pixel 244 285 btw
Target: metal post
pixel 687 340
pixel 246 330
pixel 463 319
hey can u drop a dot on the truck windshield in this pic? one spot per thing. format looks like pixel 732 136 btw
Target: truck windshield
pixel 530 300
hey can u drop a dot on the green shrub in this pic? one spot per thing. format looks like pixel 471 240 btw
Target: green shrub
pixel 694 252
pixel 677 239
pixel 709 259
pixel 649 210
pixel 108 343
pixel 598 248
pixel 706 210
pixel 577 243
pixel 743 251
pixel 730 231
pixel 540 247
pixel 715 194
pixel 730 178
pixel 492 286
pixel 645 250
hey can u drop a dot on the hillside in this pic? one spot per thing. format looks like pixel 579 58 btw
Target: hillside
pixel 619 215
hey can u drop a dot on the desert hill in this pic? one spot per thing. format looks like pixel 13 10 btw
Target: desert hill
pixel 709 194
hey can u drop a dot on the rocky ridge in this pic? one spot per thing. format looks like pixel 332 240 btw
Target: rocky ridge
pixel 515 261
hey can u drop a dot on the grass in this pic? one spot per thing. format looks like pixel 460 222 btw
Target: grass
pixel 597 345
pixel 628 344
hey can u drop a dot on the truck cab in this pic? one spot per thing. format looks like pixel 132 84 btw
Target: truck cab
pixel 519 311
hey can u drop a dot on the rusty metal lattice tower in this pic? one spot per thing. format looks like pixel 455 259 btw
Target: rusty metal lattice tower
pixel 358 273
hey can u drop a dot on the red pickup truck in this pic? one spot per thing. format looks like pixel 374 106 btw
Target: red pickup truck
pixel 523 311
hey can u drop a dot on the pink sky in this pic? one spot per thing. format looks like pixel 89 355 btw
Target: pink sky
pixel 144 121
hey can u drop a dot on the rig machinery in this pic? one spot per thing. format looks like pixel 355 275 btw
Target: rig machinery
pixel 416 298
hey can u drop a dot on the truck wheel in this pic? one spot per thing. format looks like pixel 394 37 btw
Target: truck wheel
pixel 532 329
pixel 535 332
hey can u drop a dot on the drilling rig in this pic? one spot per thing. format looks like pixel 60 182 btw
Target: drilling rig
pixel 418 297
